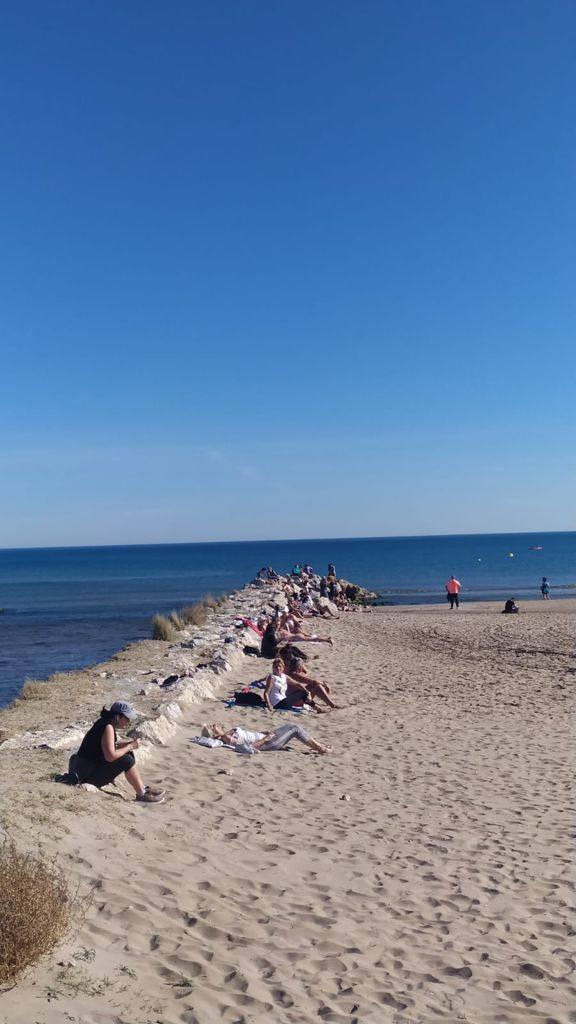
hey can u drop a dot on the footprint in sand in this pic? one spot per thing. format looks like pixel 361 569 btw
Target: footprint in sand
pixel 390 1000
pixel 458 972
pixel 531 971
pixel 518 997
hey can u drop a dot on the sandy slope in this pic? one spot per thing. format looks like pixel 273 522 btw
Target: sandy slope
pixel 441 891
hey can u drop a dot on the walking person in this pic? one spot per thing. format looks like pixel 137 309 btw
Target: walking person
pixel 453 588
pixel 545 589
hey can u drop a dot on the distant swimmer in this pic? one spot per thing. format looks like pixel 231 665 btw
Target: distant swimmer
pixel 453 588
pixel 545 589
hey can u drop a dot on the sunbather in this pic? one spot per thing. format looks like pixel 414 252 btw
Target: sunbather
pixel 276 638
pixel 296 672
pixel 263 741
pixel 280 693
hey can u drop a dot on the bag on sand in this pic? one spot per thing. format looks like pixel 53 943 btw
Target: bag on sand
pixel 249 699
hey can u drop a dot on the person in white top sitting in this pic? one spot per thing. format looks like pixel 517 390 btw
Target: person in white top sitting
pixel 281 693
pixel 252 742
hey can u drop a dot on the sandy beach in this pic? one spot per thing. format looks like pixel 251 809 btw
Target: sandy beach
pixel 422 872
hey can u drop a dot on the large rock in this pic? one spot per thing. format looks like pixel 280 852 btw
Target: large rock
pixel 53 739
pixel 156 730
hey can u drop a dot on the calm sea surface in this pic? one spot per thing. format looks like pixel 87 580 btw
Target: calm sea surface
pixel 69 607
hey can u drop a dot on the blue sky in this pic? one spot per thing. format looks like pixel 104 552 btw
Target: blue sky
pixel 281 269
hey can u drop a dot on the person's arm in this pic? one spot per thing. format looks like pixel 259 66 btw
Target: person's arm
pixel 260 743
pixel 267 693
pixel 110 750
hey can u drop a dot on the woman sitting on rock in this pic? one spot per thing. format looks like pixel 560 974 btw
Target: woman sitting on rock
pixel 251 742
pixel 102 757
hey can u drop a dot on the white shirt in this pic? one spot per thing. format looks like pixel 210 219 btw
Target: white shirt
pixel 245 736
pixel 278 689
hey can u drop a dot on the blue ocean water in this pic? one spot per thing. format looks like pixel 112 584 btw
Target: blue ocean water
pixel 69 607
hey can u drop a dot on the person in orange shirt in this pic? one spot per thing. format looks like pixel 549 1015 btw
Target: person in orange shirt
pixel 452 590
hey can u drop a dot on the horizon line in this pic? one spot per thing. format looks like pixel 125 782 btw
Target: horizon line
pixel 284 540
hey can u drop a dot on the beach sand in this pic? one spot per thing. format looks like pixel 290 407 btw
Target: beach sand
pixel 441 890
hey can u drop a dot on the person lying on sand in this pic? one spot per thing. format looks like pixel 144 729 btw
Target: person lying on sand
pixel 263 741
pixel 102 757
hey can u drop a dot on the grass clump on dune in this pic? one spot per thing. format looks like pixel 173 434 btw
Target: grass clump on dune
pixel 34 690
pixel 162 628
pixel 197 614
pixel 194 614
pixel 36 910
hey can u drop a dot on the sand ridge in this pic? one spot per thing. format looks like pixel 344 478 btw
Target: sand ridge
pixel 441 890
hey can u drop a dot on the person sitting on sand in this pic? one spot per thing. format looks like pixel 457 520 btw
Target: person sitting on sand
pixel 297 673
pixel 251 742
pixel 101 757
pixel 280 693
pixel 510 608
pixel 276 638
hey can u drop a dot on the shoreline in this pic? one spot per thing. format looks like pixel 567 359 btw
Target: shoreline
pixel 420 872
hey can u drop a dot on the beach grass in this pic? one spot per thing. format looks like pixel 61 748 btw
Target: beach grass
pixel 163 628
pixel 34 689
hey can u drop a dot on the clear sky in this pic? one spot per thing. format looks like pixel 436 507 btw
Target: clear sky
pixel 281 269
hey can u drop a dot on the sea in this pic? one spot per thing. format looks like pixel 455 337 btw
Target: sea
pixel 65 608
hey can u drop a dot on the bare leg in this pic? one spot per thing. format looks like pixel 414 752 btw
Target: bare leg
pixel 134 778
pixel 320 691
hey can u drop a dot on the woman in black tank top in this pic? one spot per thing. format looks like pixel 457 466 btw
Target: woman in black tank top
pixel 102 757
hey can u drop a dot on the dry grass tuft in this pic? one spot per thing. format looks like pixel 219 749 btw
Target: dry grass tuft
pixel 36 910
pixel 34 690
pixel 177 621
pixel 165 627
pixel 194 614
pixel 162 628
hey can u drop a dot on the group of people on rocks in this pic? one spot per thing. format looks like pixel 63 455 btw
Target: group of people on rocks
pixel 102 756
